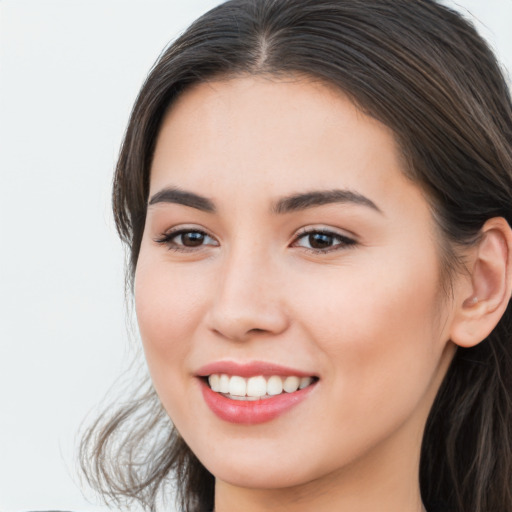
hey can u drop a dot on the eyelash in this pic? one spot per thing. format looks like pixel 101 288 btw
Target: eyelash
pixel 344 242
pixel 169 238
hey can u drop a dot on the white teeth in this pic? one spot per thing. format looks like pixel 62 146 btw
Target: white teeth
pixel 255 388
pixel 274 385
pixel 291 384
pixel 237 386
pixel 214 381
pixel 305 382
pixel 224 383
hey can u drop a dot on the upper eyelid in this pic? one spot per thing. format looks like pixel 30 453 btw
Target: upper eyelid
pixel 183 228
pixel 306 230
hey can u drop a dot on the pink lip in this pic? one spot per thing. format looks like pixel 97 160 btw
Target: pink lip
pixel 251 412
pixel 251 369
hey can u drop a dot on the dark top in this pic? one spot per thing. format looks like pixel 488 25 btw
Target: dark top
pixel 434 507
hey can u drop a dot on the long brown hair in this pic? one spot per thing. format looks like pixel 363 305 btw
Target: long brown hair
pixel 422 70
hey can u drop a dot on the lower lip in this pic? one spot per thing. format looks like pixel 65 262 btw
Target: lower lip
pixel 252 412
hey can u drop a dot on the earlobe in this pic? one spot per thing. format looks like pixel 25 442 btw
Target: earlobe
pixel 482 307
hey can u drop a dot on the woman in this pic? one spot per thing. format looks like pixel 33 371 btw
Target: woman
pixel 317 197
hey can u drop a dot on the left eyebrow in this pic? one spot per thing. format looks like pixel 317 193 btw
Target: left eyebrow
pixel 177 196
pixel 307 200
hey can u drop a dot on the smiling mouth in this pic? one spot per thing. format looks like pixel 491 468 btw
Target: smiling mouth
pixel 255 388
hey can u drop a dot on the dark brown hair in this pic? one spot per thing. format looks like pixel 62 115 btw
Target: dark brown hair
pixel 422 70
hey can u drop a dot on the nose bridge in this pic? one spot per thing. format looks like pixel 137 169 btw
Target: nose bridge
pixel 247 298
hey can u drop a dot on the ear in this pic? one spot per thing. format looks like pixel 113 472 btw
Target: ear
pixel 484 299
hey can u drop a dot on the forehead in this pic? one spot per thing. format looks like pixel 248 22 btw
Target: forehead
pixel 273 135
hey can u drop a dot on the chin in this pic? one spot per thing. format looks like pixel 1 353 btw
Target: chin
pixel 270 475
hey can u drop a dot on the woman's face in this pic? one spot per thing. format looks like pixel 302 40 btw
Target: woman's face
pixel 284 247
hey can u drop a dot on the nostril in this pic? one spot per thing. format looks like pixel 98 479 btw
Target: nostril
pixel 238 320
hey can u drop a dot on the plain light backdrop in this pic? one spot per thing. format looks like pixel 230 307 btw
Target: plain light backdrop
pixel 69 73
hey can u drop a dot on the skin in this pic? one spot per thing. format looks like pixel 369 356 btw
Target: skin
pixel 368 318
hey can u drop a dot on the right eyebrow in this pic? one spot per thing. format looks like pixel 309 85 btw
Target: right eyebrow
pixel 305 200
pixel 177 196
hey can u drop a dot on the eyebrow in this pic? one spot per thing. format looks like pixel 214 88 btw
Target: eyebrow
pixel 307 200
pixel 292 203
pixel 177 196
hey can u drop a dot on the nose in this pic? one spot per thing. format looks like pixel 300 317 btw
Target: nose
pixel 249 298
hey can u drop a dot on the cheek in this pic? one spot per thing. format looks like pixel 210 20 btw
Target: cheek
pixel 167 314
pixel 377 326
pixel 377 295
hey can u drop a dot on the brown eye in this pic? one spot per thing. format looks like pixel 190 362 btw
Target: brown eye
pixel 186 239
pixel 192 238
pixel 323 241
pixel 320 240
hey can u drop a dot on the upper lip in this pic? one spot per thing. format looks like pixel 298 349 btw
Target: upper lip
pixel 249 369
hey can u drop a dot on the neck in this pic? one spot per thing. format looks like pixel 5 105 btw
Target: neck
pixel 360 487
pixel 318 499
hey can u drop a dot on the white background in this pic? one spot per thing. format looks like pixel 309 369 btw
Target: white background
pixel 69 73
